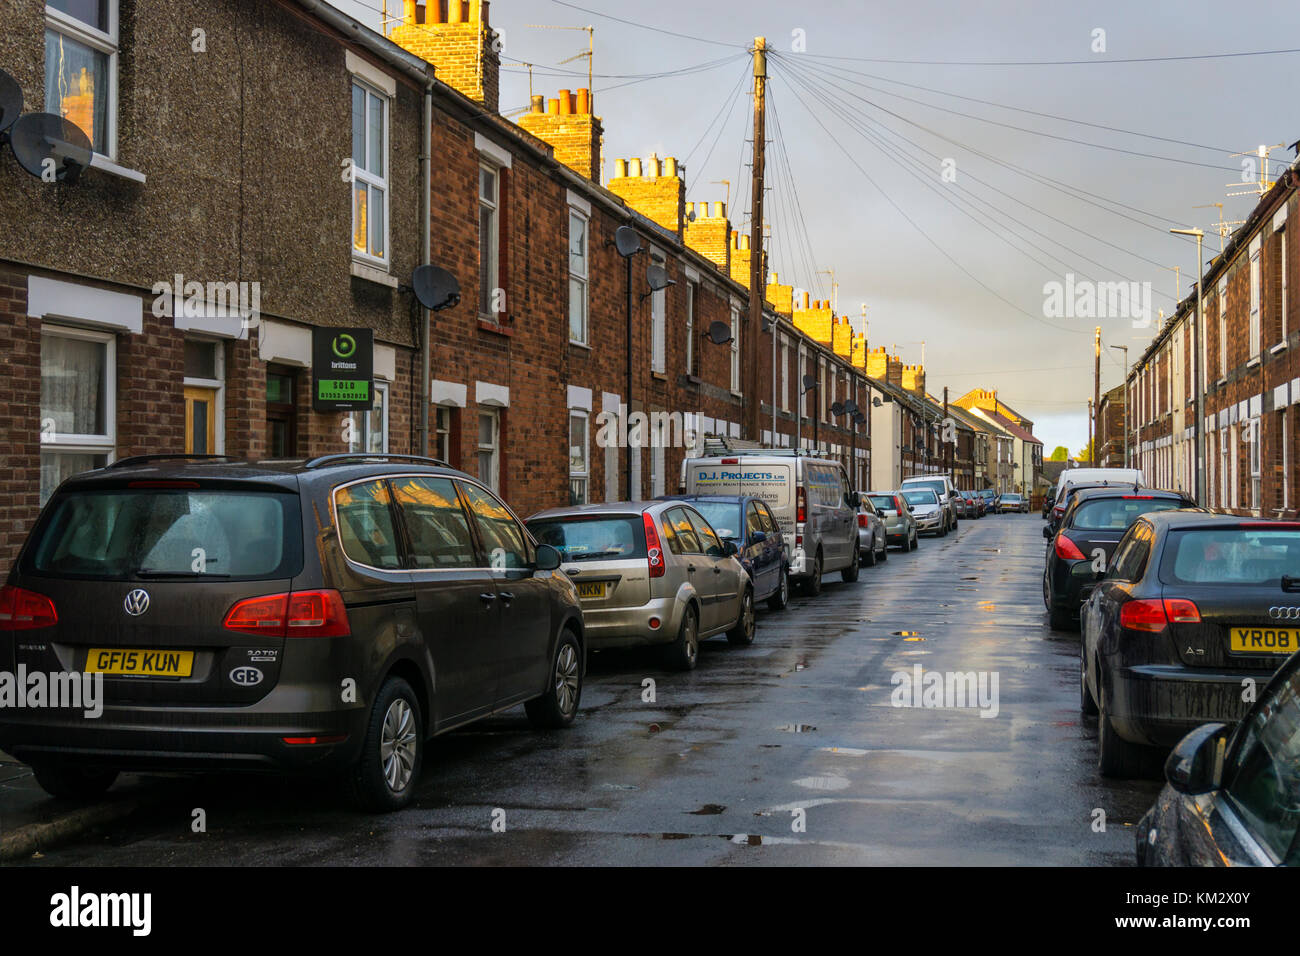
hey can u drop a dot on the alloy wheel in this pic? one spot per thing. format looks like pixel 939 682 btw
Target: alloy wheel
pixel 397 745
pixel 566 679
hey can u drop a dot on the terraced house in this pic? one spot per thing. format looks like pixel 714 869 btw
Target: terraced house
pixel 1250 374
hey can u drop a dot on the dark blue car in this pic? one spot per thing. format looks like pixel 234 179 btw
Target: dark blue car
pixel 760 545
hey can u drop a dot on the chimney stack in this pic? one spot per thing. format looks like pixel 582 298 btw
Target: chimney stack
pixel 571 131
pixel 464 49
pixel 709 235
pixel 659 194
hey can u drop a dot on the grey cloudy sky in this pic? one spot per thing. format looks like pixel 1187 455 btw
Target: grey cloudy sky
pixel 869 198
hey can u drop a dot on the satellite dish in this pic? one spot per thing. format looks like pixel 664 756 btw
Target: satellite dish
pixel 627 241
pixel 809 383
pixel 11 101
pixel 719 333
pixel 851 407
pixel 657 276
pixel 435 288
pixel 43 141
pixel 859 418
pixel 837 409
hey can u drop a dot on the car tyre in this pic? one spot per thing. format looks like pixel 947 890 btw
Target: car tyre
pixel 850 574
pixel 684 653
pixel 781 597
pixel 914 542
pixel 812 586
pixel 884 550
pixel 1087 706
pixel 557 707
pixel 1059 620
pixel 870 553
pixel 1116 757
pixel 392 752
pixel 73 783
pixel 742 633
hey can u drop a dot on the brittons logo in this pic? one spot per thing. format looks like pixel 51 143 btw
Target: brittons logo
pixel 344 345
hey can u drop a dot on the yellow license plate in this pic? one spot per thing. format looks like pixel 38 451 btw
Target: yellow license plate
pixel 139 663
pixel 1264 640
pixel 592 589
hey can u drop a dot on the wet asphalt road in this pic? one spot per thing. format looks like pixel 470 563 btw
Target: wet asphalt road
pixel 800 721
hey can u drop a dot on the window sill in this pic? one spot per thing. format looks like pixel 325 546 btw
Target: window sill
pixel 1253 362
pixel 1221 382
pixel 106 165
pixel 496 328
pixel 579 345
pixel 1277 348
pixel 659 376
pixel 361 270
pixel 694 379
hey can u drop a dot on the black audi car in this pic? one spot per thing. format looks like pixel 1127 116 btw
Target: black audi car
pixel 326 615
pixel 1233 793
pixel 1081 550
pixel 1195 611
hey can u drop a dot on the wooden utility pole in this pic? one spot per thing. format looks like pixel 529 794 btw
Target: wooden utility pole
pixel 1096 397
pixel 1092 439
pixel 757 265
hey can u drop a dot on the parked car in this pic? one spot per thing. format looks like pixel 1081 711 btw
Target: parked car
pixel 927 510
pixel 993 501
pixel 944 490
pixel 1012 501
pixel 810 498
pixel 1062 504
pixel 1080 552
pixel 873 540
pixel 761 548
pixel 1131 477
pixel 227 602
pixel 1230 796
pixel 969 505
pixel 651 572
pixel 900 523
pixel 1193 604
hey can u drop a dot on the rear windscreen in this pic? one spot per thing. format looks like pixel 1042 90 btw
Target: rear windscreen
pixel 935 486
pixel 921 497
pixel 1116 514
pixel 1231 556
pixel 146 533
pixel 591 539
pixel 883 502
pixel 723 515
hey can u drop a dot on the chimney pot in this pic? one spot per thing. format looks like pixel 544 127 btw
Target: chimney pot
pixel 584 101
pixel 744 243
pixel 670 166
pixel 474 15
pixel 566 102
pixel 652 167
pixel 553 107
pixel 455 11
pixel 634 167
pixel 620 168
pixel 719 210
pixel 539 103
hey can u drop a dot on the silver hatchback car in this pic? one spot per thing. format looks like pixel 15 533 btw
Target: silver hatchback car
pixel 650 572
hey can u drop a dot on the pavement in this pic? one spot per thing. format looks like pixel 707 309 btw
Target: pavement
pixel 793 751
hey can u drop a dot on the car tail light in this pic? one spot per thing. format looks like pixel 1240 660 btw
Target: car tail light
pixel 1182 611
pixel 297 614
pixel 898 504
pixel 1143 616
pixel 1139 497
pixel 23 610
pixel 862 521
pixel 802 506
pixel 1067 550
pixel 654 551
pixel 311 741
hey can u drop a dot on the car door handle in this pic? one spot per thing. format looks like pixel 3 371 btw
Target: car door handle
pixel 486 597
pixel 507 596
pixel 717 570
pixel 690 568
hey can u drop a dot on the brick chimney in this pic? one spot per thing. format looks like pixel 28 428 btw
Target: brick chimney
pixel 780 296
pixel 878 363
pixel 913 378
pixel 894 373
pixel 658 193
pixel 459 42
pixel 816 320
pixel 567 124
pixel 740 258
pixel 710 235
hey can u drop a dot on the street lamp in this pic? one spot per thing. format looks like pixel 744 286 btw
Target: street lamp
pixel 1196 362
pixel 1124 349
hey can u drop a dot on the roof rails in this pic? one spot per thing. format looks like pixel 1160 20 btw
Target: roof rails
pixel 377 456
pixel 144 459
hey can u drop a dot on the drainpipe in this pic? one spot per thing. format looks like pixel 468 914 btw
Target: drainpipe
pixel 426 213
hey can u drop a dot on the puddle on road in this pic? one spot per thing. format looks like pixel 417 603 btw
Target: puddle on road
pixel 708 810
pixel 823 783
pixel 797 728
pixel 906 633
pixel 618 786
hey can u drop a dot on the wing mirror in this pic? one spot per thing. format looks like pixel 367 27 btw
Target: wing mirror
pixel 1047 532
pixel 758 537
pixel 548 558
pixel 730 549
pixel 1196 764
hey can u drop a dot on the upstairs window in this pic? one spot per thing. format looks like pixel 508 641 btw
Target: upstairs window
pixel 577 277
pixel 369 174
pixel 489 274
pixel 81 47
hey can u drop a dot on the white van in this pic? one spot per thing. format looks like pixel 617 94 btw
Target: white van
pixel 1075 476
pixel 811 499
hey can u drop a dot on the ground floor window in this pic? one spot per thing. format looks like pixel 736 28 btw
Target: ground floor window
pixel 579 467
pixel 369 431
pixel 489 447
pixel 281 412
pixel 78 400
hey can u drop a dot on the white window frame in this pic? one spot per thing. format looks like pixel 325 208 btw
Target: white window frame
pixel 1223 330
pixel 442 436
pixel 581 278
pixel 1286 462
pixel 493 479
pixel 494 245
pixel 217 384
pixel 659 321
pixel 1256 333
pixel 107 43
pixel 371 181
pixel 1256 469
pixel 585 474
pixel 89 444
pixel 735 350
pixel 692 294
pixel 361 425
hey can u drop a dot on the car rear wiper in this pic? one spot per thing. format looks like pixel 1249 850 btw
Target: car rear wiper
pixel 1290 584
pixel 160 573
pixel 588 555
